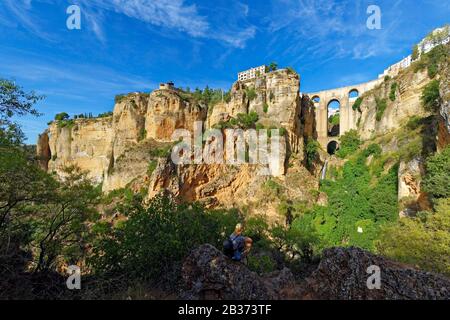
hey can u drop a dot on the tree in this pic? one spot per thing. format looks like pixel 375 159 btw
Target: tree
pixel 437 178
pixel 151 244
pixel 60 223
pixel 273 66
pixel 62 116
pixel 14 101
pixel 431 98
pixel 350 143
pixel 423 241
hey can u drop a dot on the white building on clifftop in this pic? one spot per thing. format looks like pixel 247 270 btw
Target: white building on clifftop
pixel 437 37
pixel 251 73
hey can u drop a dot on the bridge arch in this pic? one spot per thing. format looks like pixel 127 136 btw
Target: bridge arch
pixel 332 147
pixel 333 116
pixel 315 99
pixel 353 94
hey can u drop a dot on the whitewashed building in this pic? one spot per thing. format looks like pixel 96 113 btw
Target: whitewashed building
pixel 251 73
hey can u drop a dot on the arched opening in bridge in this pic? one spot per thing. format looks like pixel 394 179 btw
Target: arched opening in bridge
pixel 316 99
pixel 332 147
pixel 353 94
pixel 333 118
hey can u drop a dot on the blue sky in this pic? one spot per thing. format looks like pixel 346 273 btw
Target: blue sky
pixel 132 45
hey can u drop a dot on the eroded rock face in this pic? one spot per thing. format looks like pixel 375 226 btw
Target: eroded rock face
pixel 209 275
pixel 342 275
pixel 116 150
pixel 444 123
pixel 43 151
pixel 410 195
pixel 277 103
pixel 85 143
pixel 407 104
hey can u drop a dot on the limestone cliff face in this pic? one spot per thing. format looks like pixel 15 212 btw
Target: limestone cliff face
pixel 444 123
pixel 123 150
pixel 277 103
pixel 168 111
pixel 85 143
pixel 407 104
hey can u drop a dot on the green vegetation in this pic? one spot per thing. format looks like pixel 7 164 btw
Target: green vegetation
pixel 431 98
pixel 142 134
pixel 161 152
pixel 291 70
pixel 250 93
pixel 373 149
pixel 357 200
pixel 350 143
pixel 432 60
pixel 247 120
pixel 266 107
pixel 62 116
pixel 105 114
pixel 152 242
pixel 120 98
pixel 415 53
pixel 423 241
pixel 151 167
pixel 209 96
pixel 437 179
pixel 273 66
pixel 357 104
pixel 312 152
pixel 413 123
pixel 392 94
pixel 242 120
pixel 261 264
pixel 334 119
pixel 381 105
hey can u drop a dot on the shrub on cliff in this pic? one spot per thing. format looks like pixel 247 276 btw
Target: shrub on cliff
pixel 312 152
pixel 431 98
pixel 392 94
pixel 432 60
pixel 62 116
pixel 381 105
pixel 251 94
pixel 350 143
pixel 437 178
pixel 357 104
pixel 247 120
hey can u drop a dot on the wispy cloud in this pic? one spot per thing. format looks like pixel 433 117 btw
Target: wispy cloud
pixel 21 11
pixel 337 29
pixel 173 15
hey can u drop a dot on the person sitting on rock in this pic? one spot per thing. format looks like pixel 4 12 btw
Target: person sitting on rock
pixel 237 245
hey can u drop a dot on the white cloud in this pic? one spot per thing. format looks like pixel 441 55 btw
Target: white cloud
pixel 175 15
pixel 337 28
pixel 21 11
pixel 164 13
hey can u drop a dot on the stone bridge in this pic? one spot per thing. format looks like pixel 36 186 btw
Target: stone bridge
pixel 346 96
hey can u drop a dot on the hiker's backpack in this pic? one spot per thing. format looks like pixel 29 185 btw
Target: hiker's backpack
pixel 228 249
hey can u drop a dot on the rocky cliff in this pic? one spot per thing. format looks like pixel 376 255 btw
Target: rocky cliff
pixel 341 275
pixel 125 149
pixel 131 148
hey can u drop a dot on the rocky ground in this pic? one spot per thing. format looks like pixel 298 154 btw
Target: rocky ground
pixel 341 275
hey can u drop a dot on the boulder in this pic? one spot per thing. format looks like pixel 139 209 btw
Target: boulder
pixel 210 275
pixel 342 275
